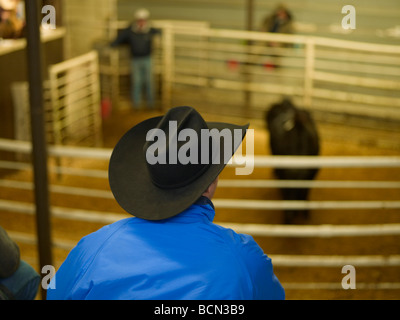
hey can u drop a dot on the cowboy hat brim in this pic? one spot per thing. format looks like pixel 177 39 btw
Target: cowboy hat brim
pixel 131 183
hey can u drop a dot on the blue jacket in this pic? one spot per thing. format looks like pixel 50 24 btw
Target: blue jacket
pixel 186 257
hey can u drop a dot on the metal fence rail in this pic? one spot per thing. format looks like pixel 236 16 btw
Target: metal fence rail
pixel 323 231
pixel 261 230
pixel 327 75
pixel 258 161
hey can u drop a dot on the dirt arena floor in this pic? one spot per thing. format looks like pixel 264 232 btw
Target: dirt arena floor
pixel 70 231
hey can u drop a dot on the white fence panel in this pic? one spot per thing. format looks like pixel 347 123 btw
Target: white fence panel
pixel 71 102
pixel 327 75
pixel 75 98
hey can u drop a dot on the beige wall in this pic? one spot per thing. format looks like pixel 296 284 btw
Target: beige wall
pixel 86 22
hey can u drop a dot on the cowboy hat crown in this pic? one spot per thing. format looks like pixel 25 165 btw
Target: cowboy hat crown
pixel 149 174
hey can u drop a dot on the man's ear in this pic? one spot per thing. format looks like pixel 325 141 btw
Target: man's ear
pixel 209 193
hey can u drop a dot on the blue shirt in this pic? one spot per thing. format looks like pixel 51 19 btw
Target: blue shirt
pixel 186 257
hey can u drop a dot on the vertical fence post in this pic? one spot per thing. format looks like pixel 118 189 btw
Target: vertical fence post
pixel 246 75
pixel 309 72
pixel 168 65
pixel 250 15
pixel 95 99
pixel 39 150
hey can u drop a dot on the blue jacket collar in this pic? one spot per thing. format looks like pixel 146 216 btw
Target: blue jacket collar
pixel 200 210
pixel 203 201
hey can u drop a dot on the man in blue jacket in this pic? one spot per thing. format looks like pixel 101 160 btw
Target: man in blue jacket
pixel 171 249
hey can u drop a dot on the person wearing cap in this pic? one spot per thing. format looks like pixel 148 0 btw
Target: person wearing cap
pixel 139 36
pixel 170 249
pixel 280 21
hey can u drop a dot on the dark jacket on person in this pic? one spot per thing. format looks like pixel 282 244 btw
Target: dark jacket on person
pixel 140 43
pixel 9 255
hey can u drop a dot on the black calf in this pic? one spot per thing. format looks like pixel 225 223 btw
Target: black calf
pixel 292 132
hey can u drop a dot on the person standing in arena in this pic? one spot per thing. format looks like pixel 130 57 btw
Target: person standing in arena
pixel 139 37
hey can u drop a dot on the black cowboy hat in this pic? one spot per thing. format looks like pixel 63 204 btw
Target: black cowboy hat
pixel 157 190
